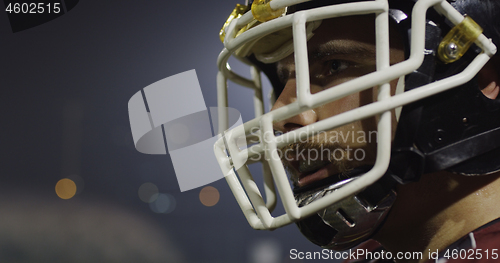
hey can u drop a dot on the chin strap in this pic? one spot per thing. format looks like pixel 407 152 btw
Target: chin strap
pixel 351 221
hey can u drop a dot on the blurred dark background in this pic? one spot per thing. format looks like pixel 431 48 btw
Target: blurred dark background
pixel 65 85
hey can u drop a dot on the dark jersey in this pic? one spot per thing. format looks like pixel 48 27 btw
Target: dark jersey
pixel 479 246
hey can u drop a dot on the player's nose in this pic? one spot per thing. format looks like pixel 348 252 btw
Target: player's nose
pixel 287 96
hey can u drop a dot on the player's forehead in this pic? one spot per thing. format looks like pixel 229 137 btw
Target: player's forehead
pixel 350 28
pixel 342 36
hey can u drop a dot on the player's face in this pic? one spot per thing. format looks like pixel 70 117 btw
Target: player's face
pixel 340 50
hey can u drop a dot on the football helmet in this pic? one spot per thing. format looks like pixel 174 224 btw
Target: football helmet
pixel 445 122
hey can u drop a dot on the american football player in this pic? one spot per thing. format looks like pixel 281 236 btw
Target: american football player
pixel 385 122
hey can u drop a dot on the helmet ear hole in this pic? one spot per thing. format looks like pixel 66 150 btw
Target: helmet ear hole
pixel 491 90
pixel 489 79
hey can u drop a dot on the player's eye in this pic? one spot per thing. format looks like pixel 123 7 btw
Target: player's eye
pixel 336 66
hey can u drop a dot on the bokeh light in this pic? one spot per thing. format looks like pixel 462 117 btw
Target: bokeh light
pixel 148 192
pixel 209 196
pixel 163 204
pixel 65 188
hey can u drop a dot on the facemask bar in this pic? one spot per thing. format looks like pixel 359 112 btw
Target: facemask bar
pixel 246 192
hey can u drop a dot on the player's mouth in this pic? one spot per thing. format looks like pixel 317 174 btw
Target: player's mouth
pixel 308 171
